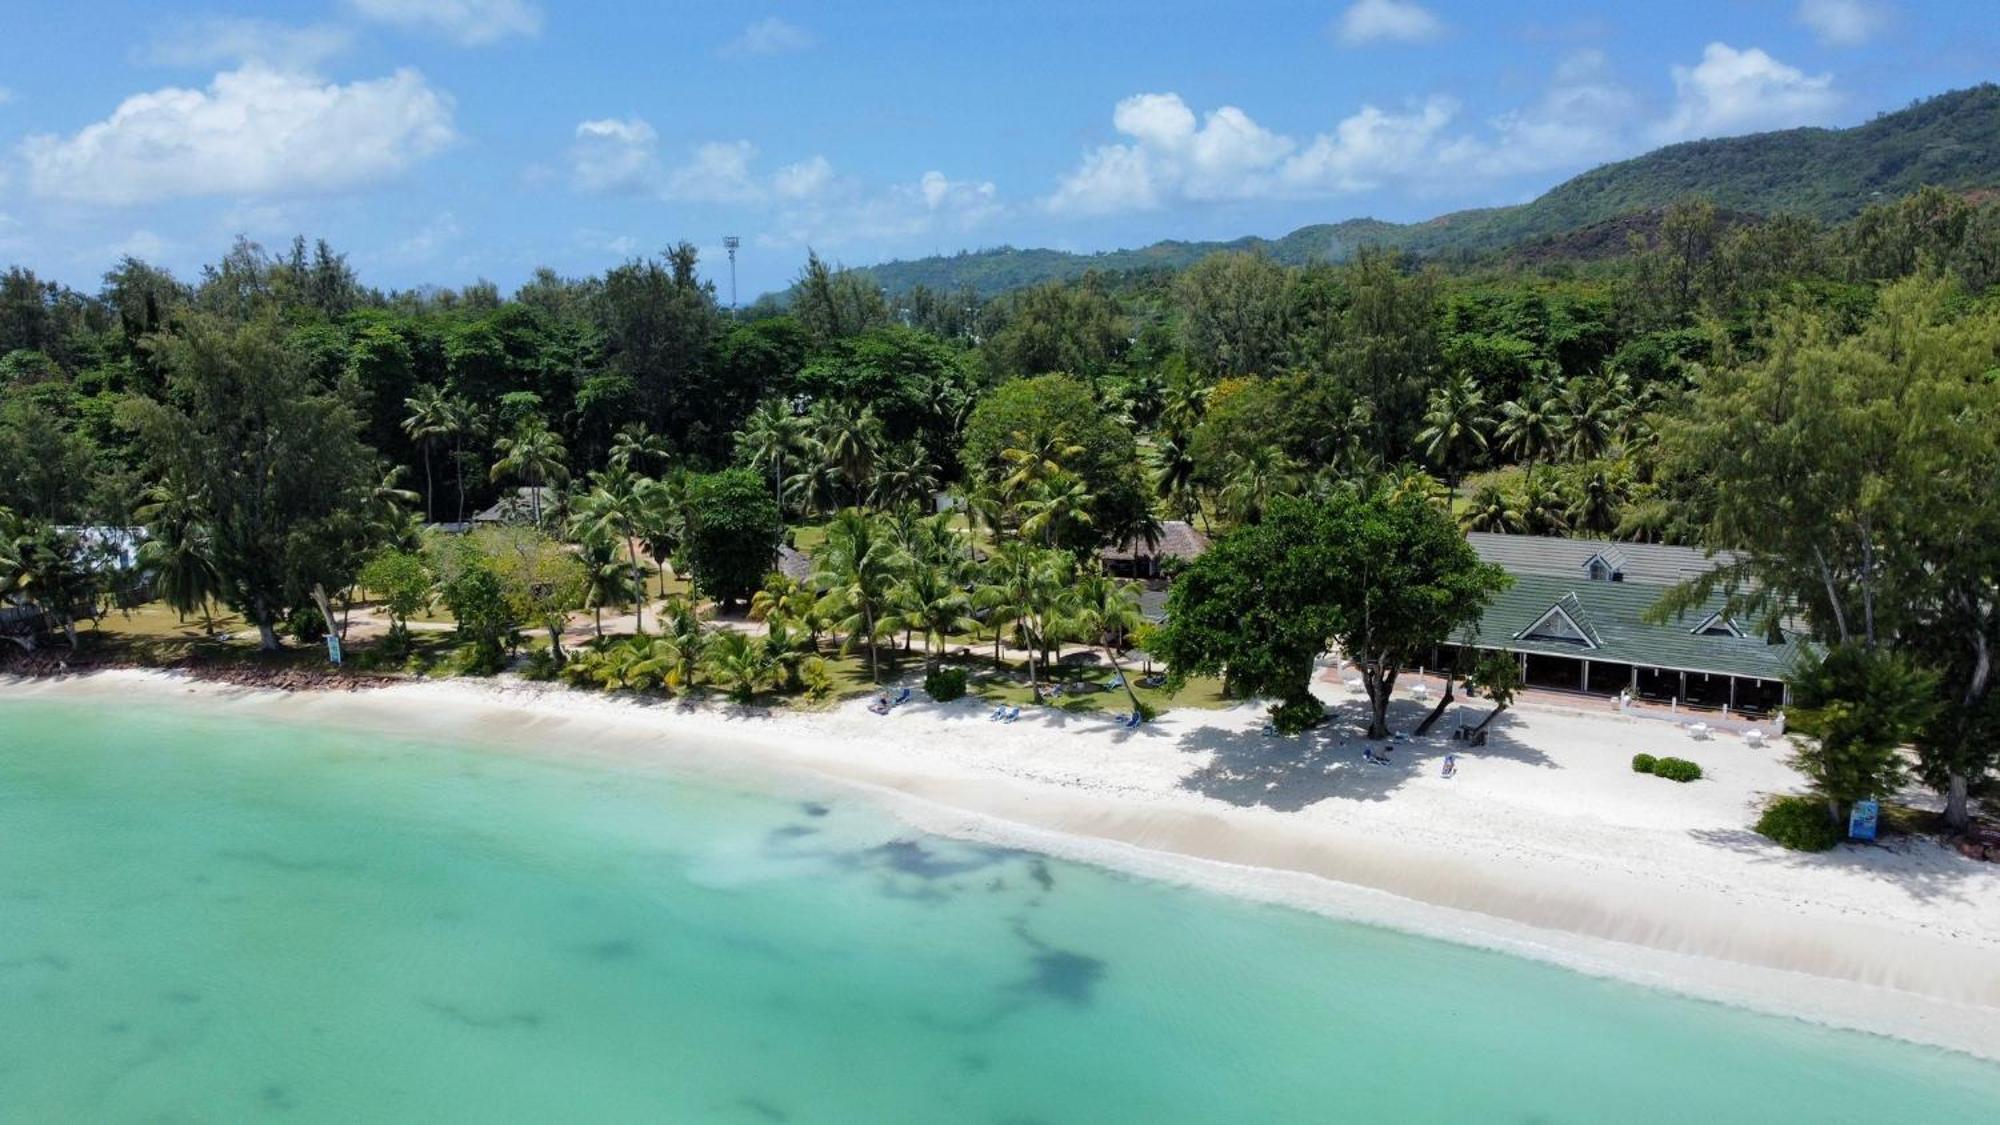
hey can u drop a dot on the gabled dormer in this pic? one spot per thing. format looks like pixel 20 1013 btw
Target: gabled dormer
pixel 1716 625
pixel 1607 565
pixel 1564 623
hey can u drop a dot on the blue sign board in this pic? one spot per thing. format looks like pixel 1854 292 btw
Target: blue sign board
pixel 1861 822
pixel 333 648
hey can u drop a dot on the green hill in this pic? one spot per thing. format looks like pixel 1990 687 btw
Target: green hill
pixel 1952 141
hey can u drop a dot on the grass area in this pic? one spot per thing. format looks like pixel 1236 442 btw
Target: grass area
pixel 808 537
pixel 155 634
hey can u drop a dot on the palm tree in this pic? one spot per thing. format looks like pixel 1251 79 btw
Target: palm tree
pixel 1034 458
pixel 816 487
pixel 1025 585
pixel 659 662
pixel 610 579
pixel 44 568
pixel 849 440
pixel 1527 426
pixel 1184 402
pixel 614 509
pixel 534 454
pixel 178 552
pixel 429 421
pixel 1587 419
pixel 1542 509
pixel 769 436
pixel 1256 476
pixel 670 660
pixel 1174 476
pixel 1058 507
pixel 386 508
pixel 663 507
pixel 787 650
pixel 737 663
pixel 1454 425
pixel 929 600
pixel 905 476
pixel 633 445
pixel 857 567
pixel 780 599
pixel 1594 502
pixel 1491 509
pixel 461 421
pixel 1106 611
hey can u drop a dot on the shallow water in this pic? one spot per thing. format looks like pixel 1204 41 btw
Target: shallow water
pixel 209 917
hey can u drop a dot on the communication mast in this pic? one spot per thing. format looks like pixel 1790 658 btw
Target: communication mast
pixel 730 242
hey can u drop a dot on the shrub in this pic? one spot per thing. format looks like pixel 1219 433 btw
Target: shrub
pixel 1295 715
pixel 817 676
pixel 1643 763
pixel 945 684
pixel 1676 769
pixel 305 625
pixel 1798 823
pixel 540 665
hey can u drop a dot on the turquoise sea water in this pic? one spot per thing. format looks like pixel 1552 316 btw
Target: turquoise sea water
pixel 206 917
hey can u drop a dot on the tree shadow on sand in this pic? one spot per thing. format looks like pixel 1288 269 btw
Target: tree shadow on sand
pixel 1937 874
pixel 1043 717
pixel 1291 772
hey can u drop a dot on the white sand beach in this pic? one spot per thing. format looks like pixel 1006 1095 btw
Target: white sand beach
pixel 1545 844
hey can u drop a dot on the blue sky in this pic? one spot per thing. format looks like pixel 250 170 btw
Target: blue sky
pixel 438 141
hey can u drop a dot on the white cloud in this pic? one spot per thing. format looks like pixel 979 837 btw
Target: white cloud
pixel 1371 147
pixel 621 156
pixel 902 215
pixel 717 172
pixel 614 155
pixel 770 36
pixel 143 245
pixel 216 39
pixel 469 23
pixel 1732 91
pixel 253 131
pixel 1386 21
pixel 1842 23
pixel 1224 156
pixel 1424 147
pixel 432 237
pixel 1583 117
pixel 803 180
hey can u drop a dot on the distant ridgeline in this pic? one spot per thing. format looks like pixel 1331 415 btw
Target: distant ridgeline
pixel 1950 141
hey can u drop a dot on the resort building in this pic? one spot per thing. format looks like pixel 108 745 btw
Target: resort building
pixel 1137 558
pixel 1575 619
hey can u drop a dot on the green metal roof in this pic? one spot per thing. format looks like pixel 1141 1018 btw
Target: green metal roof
pixel 1611 615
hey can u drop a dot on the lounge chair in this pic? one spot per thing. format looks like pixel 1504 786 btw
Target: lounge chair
pixel 901 698
pixel 1133 722
pixel 1012 714
pixel 1153 681
pixel 999 712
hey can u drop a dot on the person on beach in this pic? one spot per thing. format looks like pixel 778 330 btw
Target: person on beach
pixel 1450 764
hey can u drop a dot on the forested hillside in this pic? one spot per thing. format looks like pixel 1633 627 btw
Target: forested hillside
pixel 1951 141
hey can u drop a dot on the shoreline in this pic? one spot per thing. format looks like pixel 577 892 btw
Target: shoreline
pixel 1904 943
